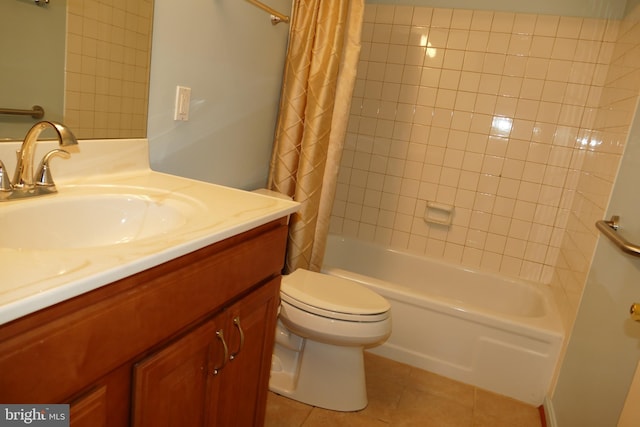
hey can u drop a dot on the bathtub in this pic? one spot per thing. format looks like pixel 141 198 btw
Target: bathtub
pixel 486 330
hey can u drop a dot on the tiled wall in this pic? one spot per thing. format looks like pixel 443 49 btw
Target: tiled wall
pixel 107 70
pixel 485 111
pixel 599 161
pixel 517 120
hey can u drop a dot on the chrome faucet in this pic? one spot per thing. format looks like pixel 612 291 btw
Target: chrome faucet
pixel 25 183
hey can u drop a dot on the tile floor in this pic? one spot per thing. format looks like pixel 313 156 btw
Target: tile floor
pixel 400 395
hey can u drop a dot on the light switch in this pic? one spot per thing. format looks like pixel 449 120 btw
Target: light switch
pixel 183 98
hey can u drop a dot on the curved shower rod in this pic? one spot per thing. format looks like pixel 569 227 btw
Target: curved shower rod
pixel 276 17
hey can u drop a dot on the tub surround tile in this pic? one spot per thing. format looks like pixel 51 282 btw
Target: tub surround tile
pixel 558 92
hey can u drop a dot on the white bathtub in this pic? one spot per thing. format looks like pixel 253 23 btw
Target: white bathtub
pixel 496 333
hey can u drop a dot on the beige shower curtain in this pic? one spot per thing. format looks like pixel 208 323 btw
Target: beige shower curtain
pixel 319 76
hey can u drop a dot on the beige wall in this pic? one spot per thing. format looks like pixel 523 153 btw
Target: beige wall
pixel 515 119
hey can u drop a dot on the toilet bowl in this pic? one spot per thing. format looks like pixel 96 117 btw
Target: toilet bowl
pixel 324 325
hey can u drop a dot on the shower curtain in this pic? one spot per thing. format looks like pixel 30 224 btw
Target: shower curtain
pixel 319 77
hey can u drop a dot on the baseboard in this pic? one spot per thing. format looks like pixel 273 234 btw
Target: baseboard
pixel 548 412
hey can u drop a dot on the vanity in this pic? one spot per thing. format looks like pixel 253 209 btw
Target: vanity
pixel 157 304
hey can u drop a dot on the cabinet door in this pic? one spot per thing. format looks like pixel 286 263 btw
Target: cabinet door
pixel 90 410
pixel 239 391
pixel 170 387
pixel 106 403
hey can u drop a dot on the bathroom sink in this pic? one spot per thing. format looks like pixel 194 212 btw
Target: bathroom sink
pixel 93 217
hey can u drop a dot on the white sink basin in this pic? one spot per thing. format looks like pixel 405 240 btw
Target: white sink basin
pixel 93 217
pixel 111 218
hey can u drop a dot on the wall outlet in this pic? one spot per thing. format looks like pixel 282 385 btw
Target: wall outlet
pixel 183 98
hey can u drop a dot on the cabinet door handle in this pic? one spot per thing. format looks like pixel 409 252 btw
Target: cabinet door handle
pixel 236 323
pixel 220 336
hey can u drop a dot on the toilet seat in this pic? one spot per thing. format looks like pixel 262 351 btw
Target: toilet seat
pixel 333 297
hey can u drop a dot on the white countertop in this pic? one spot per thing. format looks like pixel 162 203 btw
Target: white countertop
pixel 33 279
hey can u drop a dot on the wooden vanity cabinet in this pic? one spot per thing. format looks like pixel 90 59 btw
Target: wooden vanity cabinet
pixel 241 386
pixel 186 343
pixel 215 375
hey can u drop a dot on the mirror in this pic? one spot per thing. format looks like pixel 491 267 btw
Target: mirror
pixel 86 62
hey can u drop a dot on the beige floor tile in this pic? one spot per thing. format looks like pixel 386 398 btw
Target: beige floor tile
pixel 284 412
pixel 383 400
pixel 501 410
pixel 385 384
pixel 441 386
pixel 386 370
pixel 488 421
pixel 324 418
pixel 423 409
pixel 402 396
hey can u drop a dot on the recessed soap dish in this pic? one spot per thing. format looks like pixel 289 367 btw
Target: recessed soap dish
pixel 439 213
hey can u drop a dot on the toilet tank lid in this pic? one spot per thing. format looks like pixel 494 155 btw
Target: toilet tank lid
pixel 332 293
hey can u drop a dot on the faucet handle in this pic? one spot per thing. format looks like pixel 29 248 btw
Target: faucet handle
pixel 5 181
pixel 43 176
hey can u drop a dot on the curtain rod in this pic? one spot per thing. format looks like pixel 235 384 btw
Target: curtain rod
pixel 276 17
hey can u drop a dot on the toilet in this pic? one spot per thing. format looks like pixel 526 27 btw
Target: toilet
pixel 324 325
